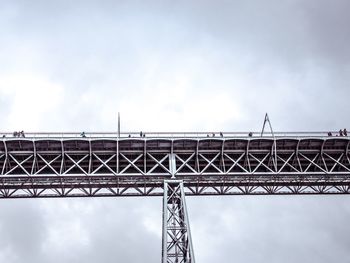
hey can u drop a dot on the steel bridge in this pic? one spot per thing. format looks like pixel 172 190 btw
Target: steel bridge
pixel 173 165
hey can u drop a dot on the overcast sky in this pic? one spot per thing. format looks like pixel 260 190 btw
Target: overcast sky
pixel 175 66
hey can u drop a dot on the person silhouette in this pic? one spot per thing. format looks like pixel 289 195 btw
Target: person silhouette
pixel 340 132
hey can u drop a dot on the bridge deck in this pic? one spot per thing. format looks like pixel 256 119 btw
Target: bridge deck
pixel 103 164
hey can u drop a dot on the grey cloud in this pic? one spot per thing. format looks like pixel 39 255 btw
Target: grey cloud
pixel 21 228
pixel 116 230
pixel 289 58
pixel 270 229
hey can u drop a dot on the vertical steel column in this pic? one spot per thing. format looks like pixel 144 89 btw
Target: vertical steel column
pixel 177 243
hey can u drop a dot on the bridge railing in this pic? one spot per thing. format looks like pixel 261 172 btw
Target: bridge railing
pixel 168 135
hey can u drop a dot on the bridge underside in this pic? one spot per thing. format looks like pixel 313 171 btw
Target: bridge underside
pixel 29 187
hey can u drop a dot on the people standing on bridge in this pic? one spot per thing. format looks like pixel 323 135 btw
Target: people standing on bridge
pixel 250 134
pixel 18 134
pixel 83 134
pixel 221 135
pixel 140 133
pixel 345 132
pixel 340 132
pixel 329 134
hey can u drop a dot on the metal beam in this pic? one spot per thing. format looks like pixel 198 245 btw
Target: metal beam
pixel 176 240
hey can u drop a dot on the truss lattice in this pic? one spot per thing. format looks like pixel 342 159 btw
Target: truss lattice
pixel 177 243
pixel 110 166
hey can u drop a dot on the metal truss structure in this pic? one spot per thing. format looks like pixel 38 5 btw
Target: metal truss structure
pixel 173 165
pixel 177 243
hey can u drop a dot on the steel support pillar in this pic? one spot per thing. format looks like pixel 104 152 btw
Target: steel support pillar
pixel 177 243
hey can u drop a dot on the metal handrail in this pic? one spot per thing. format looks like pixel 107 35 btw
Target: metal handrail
pixel 211 134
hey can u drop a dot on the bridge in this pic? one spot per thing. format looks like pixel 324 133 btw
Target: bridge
pixel 173 165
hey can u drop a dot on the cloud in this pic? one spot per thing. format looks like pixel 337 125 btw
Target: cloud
pixel 166 66
pixel 21 228
pixel 252 229
pixel 31 99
